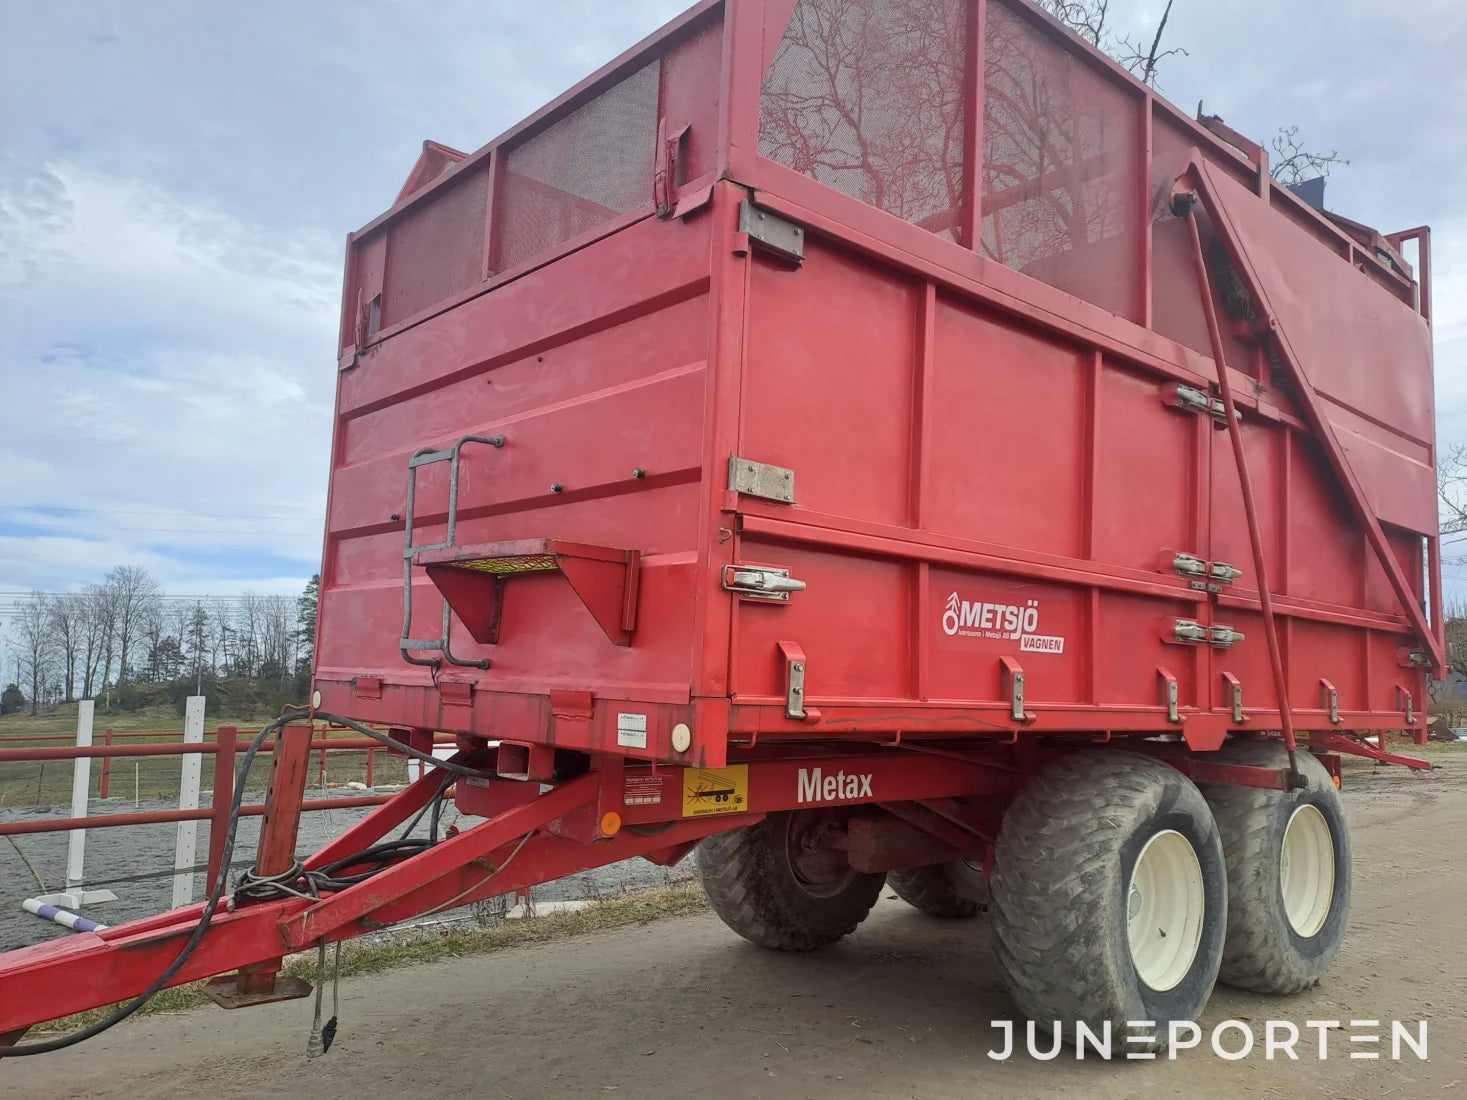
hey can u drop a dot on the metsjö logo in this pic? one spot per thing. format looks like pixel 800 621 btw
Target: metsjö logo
pixel 999 622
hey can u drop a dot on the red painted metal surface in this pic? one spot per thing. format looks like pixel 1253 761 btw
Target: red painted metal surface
pixel 957 375
pixel 971 331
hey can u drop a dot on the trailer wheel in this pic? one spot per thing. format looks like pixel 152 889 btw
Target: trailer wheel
pixel 776 885
pixel 1288 856
pixel 952 891
pixel 1109 897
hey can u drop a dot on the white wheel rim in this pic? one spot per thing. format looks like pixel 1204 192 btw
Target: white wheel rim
pixel 1307 870
pixel 1165 904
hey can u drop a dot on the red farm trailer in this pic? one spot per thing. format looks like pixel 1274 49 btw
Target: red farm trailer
pixel 864 441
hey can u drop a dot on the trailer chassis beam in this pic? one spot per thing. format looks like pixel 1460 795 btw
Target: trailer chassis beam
pixel 597 818
pixel 1352 746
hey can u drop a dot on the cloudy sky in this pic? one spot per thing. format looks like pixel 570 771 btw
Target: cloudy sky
pixel 177 180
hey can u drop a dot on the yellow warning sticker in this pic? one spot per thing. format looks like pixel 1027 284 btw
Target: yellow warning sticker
pixel 708 791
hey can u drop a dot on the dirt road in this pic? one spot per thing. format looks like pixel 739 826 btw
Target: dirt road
pixel 684 1009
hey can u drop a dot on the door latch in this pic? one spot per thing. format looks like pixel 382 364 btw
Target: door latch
pixel 759 582
pixel 1209 576
pixel 1189 630
pixel 1224 636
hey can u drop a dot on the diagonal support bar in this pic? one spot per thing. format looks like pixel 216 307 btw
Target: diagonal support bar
pixel 331 914
pixel 1194 177
pixel 1245 481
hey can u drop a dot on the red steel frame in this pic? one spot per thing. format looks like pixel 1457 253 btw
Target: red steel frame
pixel 913 768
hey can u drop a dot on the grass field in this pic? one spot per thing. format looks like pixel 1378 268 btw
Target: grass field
pixel 48 783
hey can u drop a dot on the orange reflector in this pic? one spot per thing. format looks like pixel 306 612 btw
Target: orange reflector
pixel 1338 785
pixel 611 823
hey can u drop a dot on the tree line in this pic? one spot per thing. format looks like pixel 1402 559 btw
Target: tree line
pixel 112 636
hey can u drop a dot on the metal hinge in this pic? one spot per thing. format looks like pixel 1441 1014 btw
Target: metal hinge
pixel 760 582
pixel 772 231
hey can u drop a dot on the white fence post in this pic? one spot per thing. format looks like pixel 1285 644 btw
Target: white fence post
pixel 188 799
pixel 81 782
pixel 75 896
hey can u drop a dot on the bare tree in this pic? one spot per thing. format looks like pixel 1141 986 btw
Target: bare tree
pixel 136 598
pixel 95 632
pixel 105 599
pixel 279 638
pixel 35 647
pixel 248 618
pixel 1292 163
pixel 68 628
pixel 1087 18
pixel 223 638
pixel 1451 487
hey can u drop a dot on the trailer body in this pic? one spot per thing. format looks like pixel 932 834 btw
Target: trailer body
pixel 816 424
pixel 939 356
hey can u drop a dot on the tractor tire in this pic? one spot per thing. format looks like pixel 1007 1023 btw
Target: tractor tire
pixel 950 891
pixel 1288 855
pixel 765 884
pixel 1109 898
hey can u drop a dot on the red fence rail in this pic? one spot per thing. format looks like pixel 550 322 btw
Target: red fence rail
pixel 224 748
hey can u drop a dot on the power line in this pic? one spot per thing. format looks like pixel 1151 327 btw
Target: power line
pixel 122 530
pixel 45 508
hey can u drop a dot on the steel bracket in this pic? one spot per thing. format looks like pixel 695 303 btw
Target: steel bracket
pixel 1233 695
pixel 759 479
pixel 794 681
pixel 1013 675
pixel 1331 699
pixel 773 232
pixel 1170 694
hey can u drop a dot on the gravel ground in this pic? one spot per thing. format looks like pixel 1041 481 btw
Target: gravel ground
pixel 136 862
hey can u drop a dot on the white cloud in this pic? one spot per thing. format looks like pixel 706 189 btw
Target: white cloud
pixel 165 358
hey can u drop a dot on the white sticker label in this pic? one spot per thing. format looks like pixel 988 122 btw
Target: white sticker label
pixel 1041 643
pixel 631 731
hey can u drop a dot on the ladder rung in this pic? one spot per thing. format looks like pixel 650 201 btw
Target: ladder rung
pixel 430 457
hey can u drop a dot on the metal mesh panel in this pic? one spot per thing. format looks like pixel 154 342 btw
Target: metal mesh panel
pixel 1176 298
pixel 1061 167
pixel 866 96
pixel 1176 302
pixel 592 165
pixel 436 249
